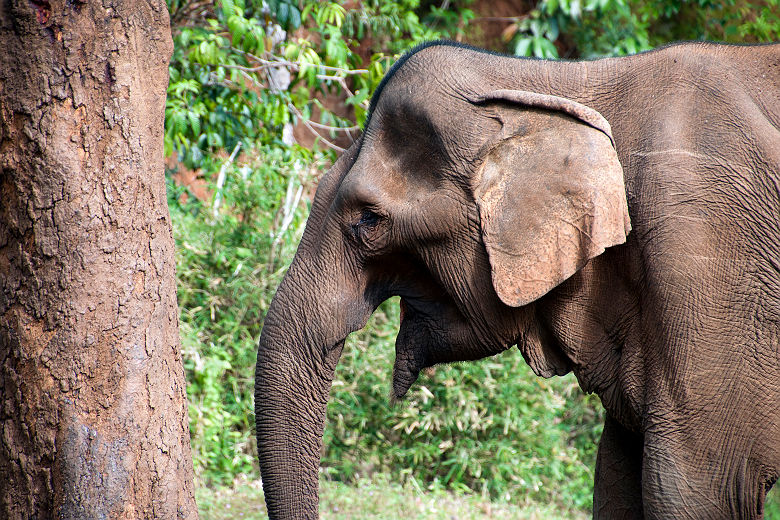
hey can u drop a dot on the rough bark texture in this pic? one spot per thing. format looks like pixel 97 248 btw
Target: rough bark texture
pixel 93 407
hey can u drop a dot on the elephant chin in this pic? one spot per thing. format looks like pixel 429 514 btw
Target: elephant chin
pixel 404 376
pixel 410 352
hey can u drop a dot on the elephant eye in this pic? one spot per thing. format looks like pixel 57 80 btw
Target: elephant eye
pixel 368 218
pixel 367 222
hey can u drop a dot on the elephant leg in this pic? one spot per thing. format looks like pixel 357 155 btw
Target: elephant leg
pixel 680 484
pixel 618 480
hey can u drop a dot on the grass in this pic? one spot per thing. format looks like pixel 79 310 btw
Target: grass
pixel 377 498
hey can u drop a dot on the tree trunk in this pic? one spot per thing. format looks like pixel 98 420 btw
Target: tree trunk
pixel 93 415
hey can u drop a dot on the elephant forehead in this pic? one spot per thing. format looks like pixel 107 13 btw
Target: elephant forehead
pixel 370 182
pixel 398 167
pixel 424 113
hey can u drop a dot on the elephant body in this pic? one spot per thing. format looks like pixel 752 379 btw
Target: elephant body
pixel 617 218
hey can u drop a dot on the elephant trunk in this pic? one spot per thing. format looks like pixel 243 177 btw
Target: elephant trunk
pixel 299 348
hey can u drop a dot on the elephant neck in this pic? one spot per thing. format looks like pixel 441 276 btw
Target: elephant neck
pixel 587 321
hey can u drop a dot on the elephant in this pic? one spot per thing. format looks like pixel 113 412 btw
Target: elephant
pixel 616 218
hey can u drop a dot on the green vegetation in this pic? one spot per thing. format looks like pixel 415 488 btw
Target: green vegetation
pixel 228 267
pixel 489 427
pixel 772 511
pixel 382 498
pixel 377 498
pixel 595 28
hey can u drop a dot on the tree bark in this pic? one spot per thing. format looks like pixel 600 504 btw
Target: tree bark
pixel 93 415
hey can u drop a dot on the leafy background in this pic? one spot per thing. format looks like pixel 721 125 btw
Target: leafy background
pixel 249 81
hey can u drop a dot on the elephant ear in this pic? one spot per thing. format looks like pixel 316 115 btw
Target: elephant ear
pixel 550 193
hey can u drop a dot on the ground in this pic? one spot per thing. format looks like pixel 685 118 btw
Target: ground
pixel 376 499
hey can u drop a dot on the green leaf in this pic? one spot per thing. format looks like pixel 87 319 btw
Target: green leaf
pixel 243 252
pixel 228 8
pixel 536 27
pixel 283 14
pixel 307 9
pixel 291 51
pixel 194 122
pixel 552 31
pixel 237 27
pixel 179 123
pixel 523 46
pixel 360 96
pixel 294 18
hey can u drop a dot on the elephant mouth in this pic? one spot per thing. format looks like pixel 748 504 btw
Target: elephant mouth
pixel 433 332
pixel 404 377
pixel 413 347
pixel 406 368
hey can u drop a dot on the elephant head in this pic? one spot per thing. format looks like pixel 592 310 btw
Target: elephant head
pixel 468 197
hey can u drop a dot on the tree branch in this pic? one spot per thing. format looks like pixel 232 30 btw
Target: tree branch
pixel 312 129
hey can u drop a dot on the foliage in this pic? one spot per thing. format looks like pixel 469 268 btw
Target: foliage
pixel 491 426
pixel 252 67
pixel 595 28
pixel 228 266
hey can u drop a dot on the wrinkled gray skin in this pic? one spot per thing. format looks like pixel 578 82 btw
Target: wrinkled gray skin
pixel 677 329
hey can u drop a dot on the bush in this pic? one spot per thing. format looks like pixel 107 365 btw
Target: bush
pixel 228 267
